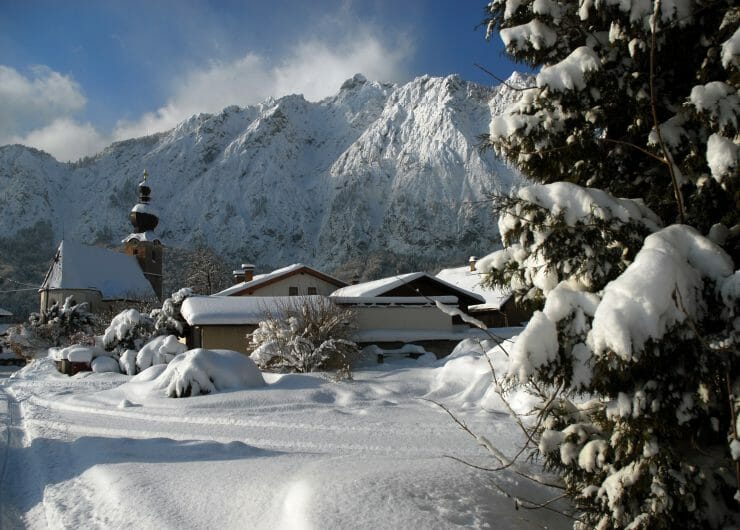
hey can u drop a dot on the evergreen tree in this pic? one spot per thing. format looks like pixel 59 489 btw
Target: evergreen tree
pixel 612 71
pixel 640 298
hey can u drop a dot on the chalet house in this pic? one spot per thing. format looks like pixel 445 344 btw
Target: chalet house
pixel 389 312
pixel 101 276
pixel 498 310
pixel 223 322
pixel 295 280
pixel 403 309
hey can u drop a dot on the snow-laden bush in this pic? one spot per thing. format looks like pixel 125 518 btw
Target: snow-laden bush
pixel 129 329
pixel 308 334
pixel 60 325
pixel 199 371
pixel 168 320
pixel 159 350
pixel 105 364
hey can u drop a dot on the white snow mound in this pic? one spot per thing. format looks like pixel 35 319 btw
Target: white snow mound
pixel 201 371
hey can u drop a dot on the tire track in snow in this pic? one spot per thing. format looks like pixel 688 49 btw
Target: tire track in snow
pixel 428 439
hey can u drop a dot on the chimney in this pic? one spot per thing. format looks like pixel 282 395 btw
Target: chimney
pixel 248 270
pixel 473 260
pixel 245 274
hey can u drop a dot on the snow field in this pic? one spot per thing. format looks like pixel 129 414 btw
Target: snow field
pixel 109 451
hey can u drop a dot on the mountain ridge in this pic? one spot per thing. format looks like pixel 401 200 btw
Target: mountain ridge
pixel 372 180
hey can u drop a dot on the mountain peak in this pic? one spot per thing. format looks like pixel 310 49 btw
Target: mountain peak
pixel 353 82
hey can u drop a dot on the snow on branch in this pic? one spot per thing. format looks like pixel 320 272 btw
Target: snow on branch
pixel 661 288
pixel 456 312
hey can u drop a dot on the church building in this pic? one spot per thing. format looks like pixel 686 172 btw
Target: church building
pixel 101 276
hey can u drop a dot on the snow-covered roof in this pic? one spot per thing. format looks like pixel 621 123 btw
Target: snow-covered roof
pixel 5 313
pixel 233 310
pixel 379 287
pixel 261 279
pixel 471 281
pixel 114 274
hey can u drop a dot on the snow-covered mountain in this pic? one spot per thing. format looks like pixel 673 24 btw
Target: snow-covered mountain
pixel 375 178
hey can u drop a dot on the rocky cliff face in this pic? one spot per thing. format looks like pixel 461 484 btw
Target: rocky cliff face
pixel 375 179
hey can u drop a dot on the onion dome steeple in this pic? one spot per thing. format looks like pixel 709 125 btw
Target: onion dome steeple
pixel 143 243
pixel 143 217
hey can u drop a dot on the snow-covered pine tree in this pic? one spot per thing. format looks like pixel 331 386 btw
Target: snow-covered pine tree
pixel 609 72
pixel 168 320
pixel 638 99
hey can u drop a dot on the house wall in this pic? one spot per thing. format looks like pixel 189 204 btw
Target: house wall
pixel 93 298
pixel 515 315
pixel 221 337
pixel 302 281
pixel 385 317
pixel 510 314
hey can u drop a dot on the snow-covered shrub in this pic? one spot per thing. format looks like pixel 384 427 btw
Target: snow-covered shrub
pixel 308 334
pixel 105 364
pixel 199 371
pixel 159 350
pixel 129 329
pixel 60 325
pixel 127 362
pixel 168 320
pixel 642 320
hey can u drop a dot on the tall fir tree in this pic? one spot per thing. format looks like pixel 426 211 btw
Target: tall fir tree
pixel 634 351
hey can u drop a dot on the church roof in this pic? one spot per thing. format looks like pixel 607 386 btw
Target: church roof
pixel 114 274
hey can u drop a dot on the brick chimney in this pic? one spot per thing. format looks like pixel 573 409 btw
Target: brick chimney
pixel 473 260
pixel 248 270
pixel 245 274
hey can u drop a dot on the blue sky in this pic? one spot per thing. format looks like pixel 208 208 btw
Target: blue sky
pixel 77 75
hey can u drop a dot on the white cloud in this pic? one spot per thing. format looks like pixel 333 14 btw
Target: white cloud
pixel 36 110
pixel 65 139
pixel 28 102
pixel 314 68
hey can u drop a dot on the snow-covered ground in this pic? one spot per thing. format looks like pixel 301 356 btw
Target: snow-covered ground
pixel 102 451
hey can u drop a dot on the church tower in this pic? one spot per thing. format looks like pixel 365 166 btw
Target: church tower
pixel 143 243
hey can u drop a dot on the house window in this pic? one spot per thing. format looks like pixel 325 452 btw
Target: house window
pixel 292 291
pixel 312 290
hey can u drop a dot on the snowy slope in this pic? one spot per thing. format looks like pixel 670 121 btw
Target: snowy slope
pixel 377 173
